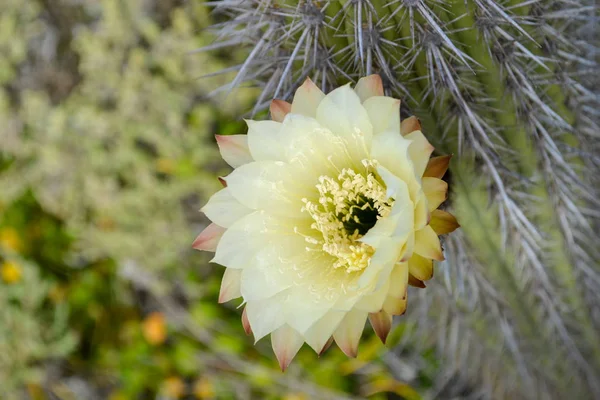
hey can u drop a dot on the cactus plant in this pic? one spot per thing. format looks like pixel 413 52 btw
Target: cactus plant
pixel 508 87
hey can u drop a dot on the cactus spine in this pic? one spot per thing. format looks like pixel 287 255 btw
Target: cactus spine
pixel 508 87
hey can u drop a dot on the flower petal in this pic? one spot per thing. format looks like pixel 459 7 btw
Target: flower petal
pixel 391 151
pixel 369 86
pixel 230 285
pixel 437 167
pixel 373 302
pixel 384 113
pixel 436 191
pixel 279 109
pixel 348 333
pixel 307 98
pixel 427 244
pixel 420 267
pixel 265 316
pixel 410 125
pixel 264 140
pixel 395 305
pixel 246 323
pixel 319 334
pixel 399 281
pixel 443 222
pixel 326 346
pixel 234 149
pixel 224 210
pixel 412 281
pixel 208 239
pixel 286 342
pixel 419 151
pixel 342 113
pixel 381 323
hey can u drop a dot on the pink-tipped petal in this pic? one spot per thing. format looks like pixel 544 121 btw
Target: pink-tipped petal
pixel 286 342
pixel 234 149
pixel 230 285
pixel 410 125
pixel 307 99
pixel 437 167
pixel 279 109
pixel 208 239
pixel 326 346
pixel 382 324
pixel 348 333
pixel 222 181
pixel 369 86
pixel 246 323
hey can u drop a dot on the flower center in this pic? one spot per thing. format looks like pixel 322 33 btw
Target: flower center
pixel 348 206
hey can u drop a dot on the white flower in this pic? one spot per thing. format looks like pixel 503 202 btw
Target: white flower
pixel 328 216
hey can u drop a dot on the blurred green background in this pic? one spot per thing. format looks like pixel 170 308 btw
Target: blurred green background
pixel 107 152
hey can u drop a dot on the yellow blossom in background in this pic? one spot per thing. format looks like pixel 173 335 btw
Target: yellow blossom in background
pixel 173 387
pixel 11 272
pixel 204 389
pixel 10 239
pixel 154 328
pixel 330 213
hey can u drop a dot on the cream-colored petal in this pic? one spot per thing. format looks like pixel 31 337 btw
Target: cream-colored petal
pixel 268 185
pixel 427 244
pixel 223 209
pixel 382 324
pixel 382 262
pixel 410 125
pixel 384 113
pixel 394 305
pixel 342 113
pixel 267 315
pixel 303 312
pixel 230 285
pixel 286 342
pixel 443 222
pixel 234 149
pixel 326 346
pixel 392 152
pixel 246 323
pixel 422 214
pixel 437 167
pixel 420 267
pixel 369 86
pixel 419 151
pixel 307 98
pixel 279 109
pixel 348 333
pixel 208 239
pixel 399 281
pixel 372 302
pixel 319 334
pixel 264 140
pixel 436 191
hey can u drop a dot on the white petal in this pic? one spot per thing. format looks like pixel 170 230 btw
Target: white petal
pixel 234 149
pixel 286 342
pixel 384 113
pixel 208 239
pixel 265 316
pixel 373 302
pixel 381 263
pixel 369 86
pixel 342 113
pixel 348 333
pixel 267 185
pixel 264 140
pixel 307 98
pixel 223 209
pixel 303 313
pixel 420 150
pixel 318 334
pixel 230 285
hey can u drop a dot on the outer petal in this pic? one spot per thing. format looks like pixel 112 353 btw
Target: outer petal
pixel 279 109
pixel 267 315
pixel 234 149
pixel 264 140
pixel 307 99
pixel 409 125
pixel 286 342
pixel 230 285
pixel 342 113
pixel 208 239
pixel 443 222
pixel 384 113
pixel 427 244
pixel 319 334
pixel 382 324
pixel 437 167
pixel 246 323
pixel 412 281
pixel 223 209
pixel 420 267
pixel 394 305
pixel 436 191
pixel 373 302
pixel 348 333
pixel 399 281
pixel 419 151
pixel 369 86
pixel 421 212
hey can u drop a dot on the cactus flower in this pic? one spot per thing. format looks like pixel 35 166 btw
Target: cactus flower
pixel 329 214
